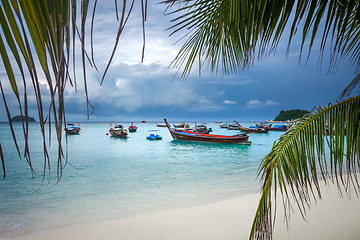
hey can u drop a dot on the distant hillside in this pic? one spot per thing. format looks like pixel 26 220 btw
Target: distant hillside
pixel 19 117
pixel 290 114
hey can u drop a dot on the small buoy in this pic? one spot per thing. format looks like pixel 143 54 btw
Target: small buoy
pixel 107 133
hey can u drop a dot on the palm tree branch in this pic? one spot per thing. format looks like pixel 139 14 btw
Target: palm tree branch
pixel 292 160
pixel 259 27
pixel 39 32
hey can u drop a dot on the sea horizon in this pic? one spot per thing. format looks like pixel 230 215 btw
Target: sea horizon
pixel 155 121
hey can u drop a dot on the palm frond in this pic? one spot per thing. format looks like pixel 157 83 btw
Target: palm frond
pixel 2 161
pixel 324 144
pixel 40 32
pixel 232 35
pixel 353 87
pixel 214 39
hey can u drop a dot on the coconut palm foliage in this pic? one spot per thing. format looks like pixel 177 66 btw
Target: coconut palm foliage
pixel 323 145
pixel 43 33
pixel 231 35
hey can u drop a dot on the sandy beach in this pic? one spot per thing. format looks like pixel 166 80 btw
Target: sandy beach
pixel 330 218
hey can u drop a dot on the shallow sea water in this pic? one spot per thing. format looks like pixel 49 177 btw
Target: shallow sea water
pixel 115 178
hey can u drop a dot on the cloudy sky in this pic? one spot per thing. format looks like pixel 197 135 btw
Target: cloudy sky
pixel 135 91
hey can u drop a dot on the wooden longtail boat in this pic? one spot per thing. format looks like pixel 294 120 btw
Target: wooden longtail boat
pixel 198 128
pixel 223 125
pixel 181 125
pixel 202 128
pixel 132 128
pixel 118 131
pixel 234 127
pixel 71 129
pixel 253 129
pixel 203 137
pixel 160 125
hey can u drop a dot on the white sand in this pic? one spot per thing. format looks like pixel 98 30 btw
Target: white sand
pixel 331 218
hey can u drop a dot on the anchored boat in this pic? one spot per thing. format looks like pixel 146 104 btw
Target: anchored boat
pixel 160 125
pixel 132 128
pixel 70 129
pixel 153 135
pixel 118 131
pixel 204 137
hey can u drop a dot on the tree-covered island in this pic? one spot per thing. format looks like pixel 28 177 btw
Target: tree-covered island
pixel 19 118
pixel 289 115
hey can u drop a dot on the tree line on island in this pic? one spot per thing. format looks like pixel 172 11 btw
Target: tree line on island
pixel 20 118
pixel 289 115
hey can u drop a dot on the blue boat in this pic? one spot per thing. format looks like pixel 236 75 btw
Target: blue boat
pixel 279 128
pixel 153 135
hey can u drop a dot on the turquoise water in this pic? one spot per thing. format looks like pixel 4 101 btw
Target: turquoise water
pixel 115 178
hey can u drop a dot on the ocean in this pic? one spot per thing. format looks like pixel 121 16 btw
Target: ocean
pixel 110 178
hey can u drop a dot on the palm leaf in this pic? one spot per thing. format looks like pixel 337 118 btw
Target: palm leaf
pixel 232 35
pixel 315 145
pixel 39 32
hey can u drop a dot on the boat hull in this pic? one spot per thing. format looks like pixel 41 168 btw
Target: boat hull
pixel 201 137
pixel 233 128
pixel 277 129
pixel 119 134
pixel 132 129
pixel 72 131
pixel 154 138
pixel 259 130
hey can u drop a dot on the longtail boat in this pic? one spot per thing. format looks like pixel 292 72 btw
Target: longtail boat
pixel 181 125
pixel 202 128
pixel 132 128
pixel 223 125
pixel 203 137
pixel 235 126
pixel 198 128
pixel 118 131
pixel 253 129
pixel 71 129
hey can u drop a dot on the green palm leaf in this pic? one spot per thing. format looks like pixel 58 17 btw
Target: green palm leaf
pixel 38 31
pixel 231 35
pixel 322 145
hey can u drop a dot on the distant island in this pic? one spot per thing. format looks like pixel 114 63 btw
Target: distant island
pixel 19 118
pixel 289 115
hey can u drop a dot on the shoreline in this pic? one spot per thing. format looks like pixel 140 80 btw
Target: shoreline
pixel 330 218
